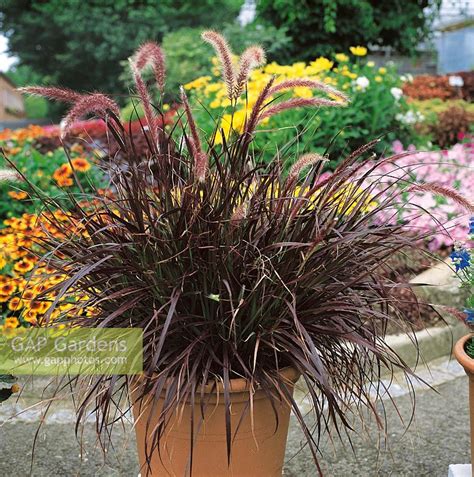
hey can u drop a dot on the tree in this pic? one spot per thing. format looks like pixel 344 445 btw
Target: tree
pixel 322 27
pixel 80 43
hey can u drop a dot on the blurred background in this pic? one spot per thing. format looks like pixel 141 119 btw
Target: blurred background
pixel 85 44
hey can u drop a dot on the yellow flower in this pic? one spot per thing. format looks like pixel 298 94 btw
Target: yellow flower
pixel 341 57
pixel 358 50
pixel 212 88
pixel 378 79
pixel 8 288
pixel 382 70
pixel 15 304
pixel 30 316
pixel 316 66
pixel 24 266
pixel 215 103
pixel 301 92
pixel 370 64
pixel 198 83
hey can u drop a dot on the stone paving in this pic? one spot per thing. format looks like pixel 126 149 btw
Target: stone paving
pixel 437 437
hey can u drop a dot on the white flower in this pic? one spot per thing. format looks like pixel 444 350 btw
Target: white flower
pixel 362 82
pixel 408 78
pixel 456 81
pixel 397 93
pixel 410 117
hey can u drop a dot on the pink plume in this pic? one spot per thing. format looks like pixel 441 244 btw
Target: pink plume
pixel 224 53
pixel 304 161
pixel 445 192
pixel 301 82
pixel 150 53
pixel 142 91
pixel 298 103
pixel 251 58
pixel 95 103
pixel 200 157
pixel 59 94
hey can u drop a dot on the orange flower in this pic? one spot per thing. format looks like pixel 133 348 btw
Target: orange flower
pixel 81 164
pixel 15 304
pixel 11 323
pixel 24 266
pixel 65 182
pixel 17 195
pixel 62 172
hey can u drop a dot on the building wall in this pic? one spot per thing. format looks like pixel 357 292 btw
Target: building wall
pixel 11 102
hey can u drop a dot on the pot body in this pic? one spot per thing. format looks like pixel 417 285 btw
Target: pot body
pixel 255 452
pixel 468 364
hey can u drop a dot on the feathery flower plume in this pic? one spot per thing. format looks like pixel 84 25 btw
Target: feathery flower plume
pixel 307 83
pixel 445 192
pixel 304 161
pixel 142 91
pixel 150 53
pixel 201 161
pixel 251 58
pixel 298 103
pixel 201 166
pixel 224 53
pixel 7 175
pixel 256 110
pixel 58 94
pixel 96 103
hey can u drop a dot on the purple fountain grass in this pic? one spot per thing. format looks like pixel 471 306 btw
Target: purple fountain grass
pixel 96 103
pixel 224 53
pixel 201 160
pixel 304 161
pixel 308 83
pixel 232 269
pixel 251 58
pixel 58 94
pixel 142 90
pixel 293 103
pixel 445 192
pixel 151 54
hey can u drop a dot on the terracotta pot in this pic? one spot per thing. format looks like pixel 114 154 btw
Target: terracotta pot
pixel 257 453
pixel 468 364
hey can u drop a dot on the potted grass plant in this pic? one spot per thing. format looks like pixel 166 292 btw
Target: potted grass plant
pixel 245 277
pixel 464 349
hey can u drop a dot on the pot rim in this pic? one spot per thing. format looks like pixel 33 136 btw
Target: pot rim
pixel 464 360
pixel 289 374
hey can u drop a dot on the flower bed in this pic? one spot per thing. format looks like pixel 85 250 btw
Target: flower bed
pixel 454 86
pixel 377 106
